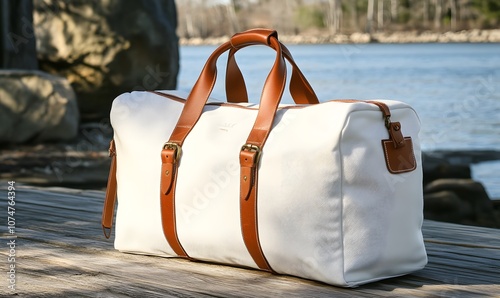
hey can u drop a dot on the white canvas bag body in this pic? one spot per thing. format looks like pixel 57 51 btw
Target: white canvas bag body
pixel 327 191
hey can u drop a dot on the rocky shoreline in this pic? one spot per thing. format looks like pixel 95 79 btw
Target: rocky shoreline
pixel 465 36
pixel 450 193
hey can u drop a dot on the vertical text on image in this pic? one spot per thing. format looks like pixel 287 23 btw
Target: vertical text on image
pixel 11 243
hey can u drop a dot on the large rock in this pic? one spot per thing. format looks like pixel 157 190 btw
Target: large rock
pixel 446 206
pixel 463 201
pixel 36 106
pixel 105 48
pixel 437 166
pixel 460 157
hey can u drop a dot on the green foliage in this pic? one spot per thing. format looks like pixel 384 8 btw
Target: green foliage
pixel 490 10
pixel 404 17
pixel 310 17
pixel 212 17
pixel 405 3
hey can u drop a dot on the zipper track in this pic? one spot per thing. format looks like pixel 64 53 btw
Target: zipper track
pixel 233 105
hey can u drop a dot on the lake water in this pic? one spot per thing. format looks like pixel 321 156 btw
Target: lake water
pixel 455 88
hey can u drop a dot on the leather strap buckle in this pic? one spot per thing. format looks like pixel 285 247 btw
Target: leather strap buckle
pixel 173 146
pixel 387 122
pixel 252 148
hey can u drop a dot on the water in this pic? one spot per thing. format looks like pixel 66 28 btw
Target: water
pixel 455 88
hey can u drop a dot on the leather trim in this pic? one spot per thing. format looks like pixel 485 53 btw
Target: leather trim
pixel 386 112
pixel 249 216
pixel 382 106
pixel 169 96
pixel 399 159
pixel 271 96
pixel 110 198
pixel 193 108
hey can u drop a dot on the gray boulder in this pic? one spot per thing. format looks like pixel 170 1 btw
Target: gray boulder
pixel 463 201
pixel 436 166
pixel 36 106
pixel 446 206
pixel 105 48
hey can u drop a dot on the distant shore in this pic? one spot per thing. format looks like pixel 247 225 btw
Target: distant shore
pixel 465 36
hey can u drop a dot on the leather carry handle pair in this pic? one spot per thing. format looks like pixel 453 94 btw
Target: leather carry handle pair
pixel 271 94
pixel 250 151
pixel 300 89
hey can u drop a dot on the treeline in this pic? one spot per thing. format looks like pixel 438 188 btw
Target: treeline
pixel 213 18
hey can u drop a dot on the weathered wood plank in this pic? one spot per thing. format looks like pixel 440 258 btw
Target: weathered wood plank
pixel 61 252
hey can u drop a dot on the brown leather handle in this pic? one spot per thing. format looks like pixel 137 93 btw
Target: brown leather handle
pixel 239 93
pixel 300 89
pixel 271 94
pixel 250 151
pixel 253 37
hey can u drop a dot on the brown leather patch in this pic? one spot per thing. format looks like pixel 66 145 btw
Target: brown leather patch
pixel 399 160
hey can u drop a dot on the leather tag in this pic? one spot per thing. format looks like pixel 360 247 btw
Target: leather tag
pixel 399 160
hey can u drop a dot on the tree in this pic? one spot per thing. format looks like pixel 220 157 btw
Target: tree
pixel 425 13
pixel 203 18
pixel 369 16
pixel 453 13
pixel 231 12
pixel 334 16
pixel 438 11
pixel 394 10
pixel 353 10
pixel 380 14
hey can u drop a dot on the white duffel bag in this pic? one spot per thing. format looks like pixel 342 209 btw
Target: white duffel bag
pixel 328 191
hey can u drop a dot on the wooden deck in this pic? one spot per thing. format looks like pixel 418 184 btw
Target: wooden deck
pixel 61 252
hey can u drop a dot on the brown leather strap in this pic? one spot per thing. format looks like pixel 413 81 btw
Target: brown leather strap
pixel 169 158
pixel 396 135
pixel 250 156
pixel 236 90
pixel 300 89
pixel 248 208
pixel 386 113
pixel 271 95
pixel 110 198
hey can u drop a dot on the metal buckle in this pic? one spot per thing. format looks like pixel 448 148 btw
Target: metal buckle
pixel 388 122
pixel 252 148
pixel 173 146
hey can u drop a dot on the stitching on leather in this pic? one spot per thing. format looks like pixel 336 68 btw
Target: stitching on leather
pixel 389 165
pixel 231 43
